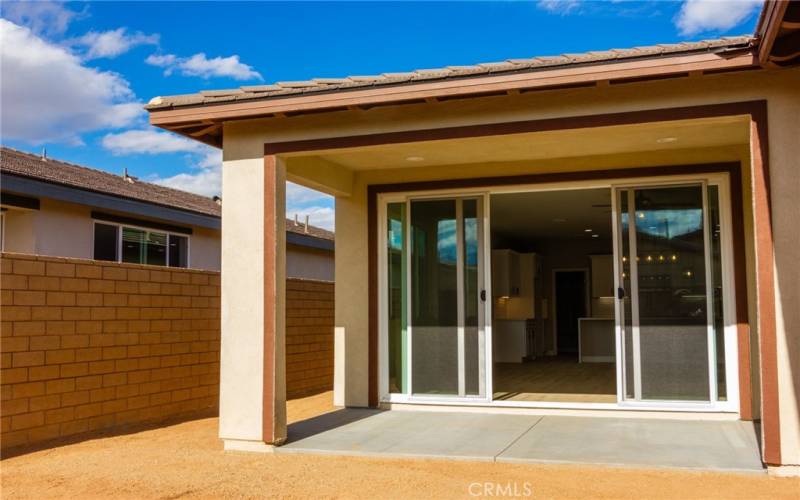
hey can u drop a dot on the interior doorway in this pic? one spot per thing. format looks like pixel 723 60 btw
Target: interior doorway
pixel 570 305
pixel 553 334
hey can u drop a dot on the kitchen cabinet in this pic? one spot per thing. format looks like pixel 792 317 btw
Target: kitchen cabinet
pixel 602 276
pixel 514 284
pixel 505 273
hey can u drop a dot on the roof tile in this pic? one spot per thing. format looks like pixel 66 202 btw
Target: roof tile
pixel 68 174
pixel 532 64
pixel 54 171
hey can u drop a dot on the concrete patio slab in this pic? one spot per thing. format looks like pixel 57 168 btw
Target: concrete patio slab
pixel 628 442
pixel 471 436
pixel 708 445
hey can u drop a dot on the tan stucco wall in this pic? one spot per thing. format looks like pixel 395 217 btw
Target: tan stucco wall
pixel 18 234
pixel 242 348
pixel 244 143
pixel 309 263
pixel 205 251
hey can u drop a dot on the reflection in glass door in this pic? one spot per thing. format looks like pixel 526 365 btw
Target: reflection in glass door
pixel 667 294
pixel 436 314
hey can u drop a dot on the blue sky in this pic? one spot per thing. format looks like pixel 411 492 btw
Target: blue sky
pixel 75 75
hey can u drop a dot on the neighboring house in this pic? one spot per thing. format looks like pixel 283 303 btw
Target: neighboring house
pixel 55 208
pixel 646 198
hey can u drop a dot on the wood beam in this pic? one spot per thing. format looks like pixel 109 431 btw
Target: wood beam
pixel 207 130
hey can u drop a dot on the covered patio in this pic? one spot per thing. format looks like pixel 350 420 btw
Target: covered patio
pixel 725 445
pixel 414 162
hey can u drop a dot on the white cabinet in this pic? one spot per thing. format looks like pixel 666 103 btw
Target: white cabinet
pixel 514 284
pixel 602 276
pixel 505 273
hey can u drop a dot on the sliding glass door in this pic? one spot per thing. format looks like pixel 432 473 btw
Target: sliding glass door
pixel 669 293
pixel 436 314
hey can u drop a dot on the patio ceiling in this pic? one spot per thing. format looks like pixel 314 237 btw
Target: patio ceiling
pixel 611 140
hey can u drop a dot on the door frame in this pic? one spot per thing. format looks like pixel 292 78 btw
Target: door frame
pixel 485 309
pixel 554 310
pixel 719 176
pixel 728 293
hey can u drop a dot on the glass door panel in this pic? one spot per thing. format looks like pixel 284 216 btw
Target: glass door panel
pixel 434 298
pixel 665 314
pixel 440 348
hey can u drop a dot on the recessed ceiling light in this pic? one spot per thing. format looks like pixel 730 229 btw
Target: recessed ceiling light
pixel 595 236
pixel 665 140
pixel 414 158
pixel 587 230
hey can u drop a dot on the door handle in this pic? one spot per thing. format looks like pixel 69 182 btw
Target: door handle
pixel 483 295
pixel 620 293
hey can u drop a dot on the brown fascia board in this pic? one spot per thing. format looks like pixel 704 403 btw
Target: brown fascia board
pixel 641 68
pixel 769 24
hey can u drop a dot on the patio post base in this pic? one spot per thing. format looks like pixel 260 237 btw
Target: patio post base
pixel 247 445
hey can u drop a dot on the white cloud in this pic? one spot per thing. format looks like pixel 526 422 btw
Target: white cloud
pixel 48 95
pixel 150 141
pixel 200 65
pixel 206 181
pixel 320 216
pixel 558 6
pixel 205 176
pixel 43 18
pixel 697 16
pixel 163 61
pixel 112 43
pixel 303 201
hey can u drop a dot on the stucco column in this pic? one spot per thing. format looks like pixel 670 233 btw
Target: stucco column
pixel 252 413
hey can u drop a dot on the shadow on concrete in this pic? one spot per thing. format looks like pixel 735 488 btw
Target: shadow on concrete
pixel 326 422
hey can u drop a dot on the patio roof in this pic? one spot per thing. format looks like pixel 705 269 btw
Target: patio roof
pixel 280 89
pixel 200 115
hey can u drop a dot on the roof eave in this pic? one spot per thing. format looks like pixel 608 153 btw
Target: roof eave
pixel 187 120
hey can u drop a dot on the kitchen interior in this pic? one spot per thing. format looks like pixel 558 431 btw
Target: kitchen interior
pixel 553 296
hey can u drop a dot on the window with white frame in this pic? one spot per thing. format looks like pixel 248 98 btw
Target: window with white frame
pixel 136 245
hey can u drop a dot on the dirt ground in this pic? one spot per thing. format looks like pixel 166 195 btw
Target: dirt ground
pixel 187 460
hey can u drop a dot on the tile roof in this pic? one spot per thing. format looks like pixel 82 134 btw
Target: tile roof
pixel 313 231
pixel 34 166
pixel 283 89
pixel 55 171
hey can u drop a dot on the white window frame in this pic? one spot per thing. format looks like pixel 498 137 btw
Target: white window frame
pixel 120 227
pixel 485 309
pixel 720 179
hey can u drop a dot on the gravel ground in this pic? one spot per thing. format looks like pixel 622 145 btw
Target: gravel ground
pixel 186 460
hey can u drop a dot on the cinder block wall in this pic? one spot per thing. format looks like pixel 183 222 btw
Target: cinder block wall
pixel 88 345
pixel 309 337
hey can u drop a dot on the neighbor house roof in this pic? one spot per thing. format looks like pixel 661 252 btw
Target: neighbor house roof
pixel 283 89
pixel 54 171
pixel 36 167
